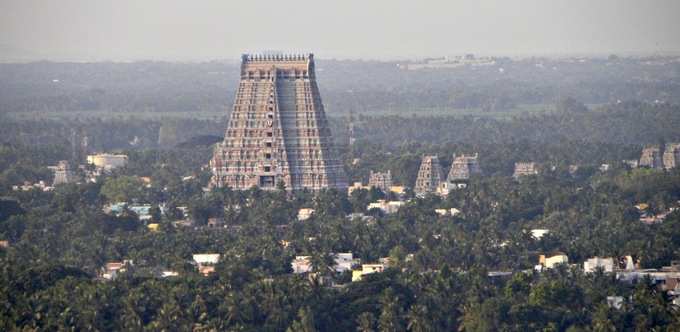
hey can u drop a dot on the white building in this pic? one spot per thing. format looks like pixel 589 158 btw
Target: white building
pixel 302 264
pixel 206 259
pixel 537 233
pixel 615 302
pixel 305 213
pixel 107 161
pixel 385 206
pixel 344 261
pixel 367 269
pixel 551 261
pixel 447 212
pixel 592 264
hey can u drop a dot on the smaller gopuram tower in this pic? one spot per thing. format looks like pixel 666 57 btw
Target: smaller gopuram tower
pixel 671 155
pixel 462 168
pixel 429 176
pixel 651 157
pixel 380 180
pixel 277 132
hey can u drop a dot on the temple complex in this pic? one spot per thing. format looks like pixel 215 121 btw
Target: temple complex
pixel 277 132
pixel 671 155
pixel 380 180
pixel 651 157
pixel 429 176
pixel 524 169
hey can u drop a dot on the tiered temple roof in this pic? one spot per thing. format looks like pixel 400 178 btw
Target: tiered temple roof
pixel 278 131
pixel 671 155
pixel 651 157
pixel 380 180
pixel 463 167
pixel 429 175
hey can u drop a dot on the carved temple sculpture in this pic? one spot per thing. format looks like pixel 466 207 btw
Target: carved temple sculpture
pixel 277 131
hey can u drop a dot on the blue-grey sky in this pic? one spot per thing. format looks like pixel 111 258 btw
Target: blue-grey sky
pixel 93 30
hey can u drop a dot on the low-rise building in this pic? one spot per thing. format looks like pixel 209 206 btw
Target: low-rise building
pixel 447 212
pixel 206 270
pixel 387 207
pixel 305 213
pixel 107 162
pixel 111 270
pixel 214 222
pixel 604 263
pixel 344 261
pixel 142 211
pixel 538 233
pixel 356 186
pixel 357 275
pixel 398 190
pixel 26 186
pixel 206 259
pixel 550 261
pixel 206 262
pixel 615 302
pixel 301 264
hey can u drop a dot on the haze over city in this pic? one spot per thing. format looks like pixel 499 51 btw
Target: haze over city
pixel 303 166
pixel 124 30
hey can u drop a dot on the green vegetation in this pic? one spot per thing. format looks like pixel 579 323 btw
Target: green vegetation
pixel 439 278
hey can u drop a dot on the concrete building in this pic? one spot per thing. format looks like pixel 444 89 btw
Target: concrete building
pixel 447 212
pixel 552 260
pixel 111 270
pixel 356 186
pixel 357 275
pixel 592 264
pixel 206 259
pixel 538 233
pixel 305 213
pixel 107 162
pixel 277 131
pixel 301 264
pixel 387 207
pixel 344 261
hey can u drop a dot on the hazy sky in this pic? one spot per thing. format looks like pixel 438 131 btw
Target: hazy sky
pixel 203 30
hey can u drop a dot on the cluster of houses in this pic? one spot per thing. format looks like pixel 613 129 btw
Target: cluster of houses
pixel 64 173
pixel 204 263
pixel 342 262
pixel 626 269
pixel 649 218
